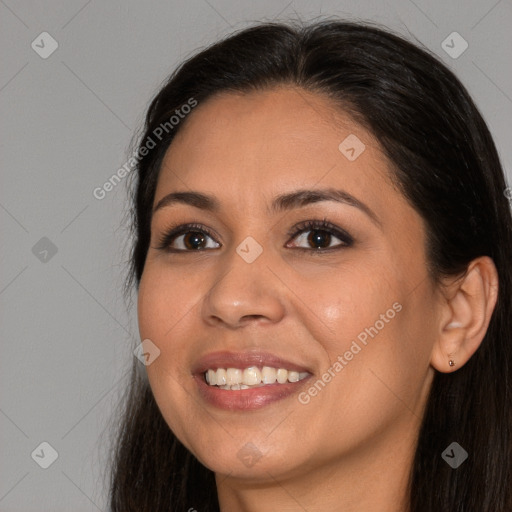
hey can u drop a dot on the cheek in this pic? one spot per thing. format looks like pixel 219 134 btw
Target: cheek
pixel 164 300
pixel 382 303
pixel 383 334
pixel 387 359
pixel 342 306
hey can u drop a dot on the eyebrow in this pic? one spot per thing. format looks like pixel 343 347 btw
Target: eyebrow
pixel 281 203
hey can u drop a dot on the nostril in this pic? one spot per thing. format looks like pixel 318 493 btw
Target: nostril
pixel 251 317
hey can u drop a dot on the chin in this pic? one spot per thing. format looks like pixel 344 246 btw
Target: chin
pixel 248 460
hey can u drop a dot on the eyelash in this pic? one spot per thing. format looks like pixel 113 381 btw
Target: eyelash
pixel 310 225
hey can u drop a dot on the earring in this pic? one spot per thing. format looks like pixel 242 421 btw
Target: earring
pixel 451 363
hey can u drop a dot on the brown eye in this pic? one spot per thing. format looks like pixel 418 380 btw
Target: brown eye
pixel 194 240
pixel 321 235
pixel 188 238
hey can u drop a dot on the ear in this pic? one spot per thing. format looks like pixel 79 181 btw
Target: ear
pixel 468 304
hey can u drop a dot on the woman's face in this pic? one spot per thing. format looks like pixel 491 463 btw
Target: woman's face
pixel 348 308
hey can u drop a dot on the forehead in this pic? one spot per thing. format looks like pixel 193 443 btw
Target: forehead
pixel 291 118
pixel 254 144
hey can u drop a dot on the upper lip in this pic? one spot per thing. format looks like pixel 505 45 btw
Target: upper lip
pixel 242 360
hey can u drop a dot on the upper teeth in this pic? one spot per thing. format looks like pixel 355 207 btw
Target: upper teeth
pixel 235 378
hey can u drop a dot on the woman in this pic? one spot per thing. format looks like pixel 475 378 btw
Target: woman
pixel 322 251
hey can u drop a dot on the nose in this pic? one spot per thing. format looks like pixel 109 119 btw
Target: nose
pixel 243 293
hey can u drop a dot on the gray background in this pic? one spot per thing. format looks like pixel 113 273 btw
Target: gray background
pixel 67 121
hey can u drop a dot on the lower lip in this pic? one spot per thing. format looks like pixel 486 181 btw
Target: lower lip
pixel 247 399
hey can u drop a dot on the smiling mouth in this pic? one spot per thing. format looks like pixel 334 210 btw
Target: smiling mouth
pixel 247 381
pixel 235 379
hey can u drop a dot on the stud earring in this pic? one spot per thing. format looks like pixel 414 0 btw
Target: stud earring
pixel 451 363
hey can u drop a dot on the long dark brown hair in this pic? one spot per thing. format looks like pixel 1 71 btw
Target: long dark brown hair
pixel 445 164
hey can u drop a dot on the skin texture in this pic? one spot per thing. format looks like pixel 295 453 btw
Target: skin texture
pixel 351 446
